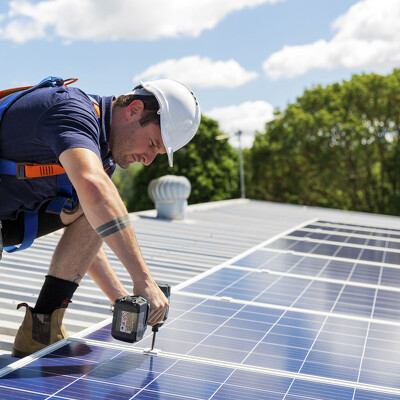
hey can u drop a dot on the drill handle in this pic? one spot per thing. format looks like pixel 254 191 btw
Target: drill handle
pixel 166 289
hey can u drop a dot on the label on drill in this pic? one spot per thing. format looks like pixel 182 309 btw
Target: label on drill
pixel 126 322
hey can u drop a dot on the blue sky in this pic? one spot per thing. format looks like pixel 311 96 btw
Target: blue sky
pixel 242 58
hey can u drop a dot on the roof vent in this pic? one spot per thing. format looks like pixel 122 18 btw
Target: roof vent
pixel 170 194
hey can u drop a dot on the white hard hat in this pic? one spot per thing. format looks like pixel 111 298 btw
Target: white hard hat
pixel 179 112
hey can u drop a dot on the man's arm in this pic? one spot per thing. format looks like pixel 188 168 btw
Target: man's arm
pixel 106 278
pixel 107 214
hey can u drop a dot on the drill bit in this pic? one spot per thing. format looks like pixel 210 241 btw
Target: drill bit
pixel 155 330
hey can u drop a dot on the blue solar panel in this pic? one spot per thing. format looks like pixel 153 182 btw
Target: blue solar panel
pixel 291 320
pixel 101 373
pixel 338 250
pixel 347 225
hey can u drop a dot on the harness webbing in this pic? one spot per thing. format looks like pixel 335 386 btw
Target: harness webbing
pixel 30 232
pixel 66 195
pixel 29 170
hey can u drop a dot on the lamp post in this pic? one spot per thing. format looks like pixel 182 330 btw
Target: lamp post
pixel 242 186
pixel 241 166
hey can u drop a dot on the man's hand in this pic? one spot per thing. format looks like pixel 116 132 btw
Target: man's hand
pixel 158 302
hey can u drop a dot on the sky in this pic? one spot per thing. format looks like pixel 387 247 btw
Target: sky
pixel 242 58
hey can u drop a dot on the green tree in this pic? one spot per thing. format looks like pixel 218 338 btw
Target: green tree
pixel 212 167
pixel 335 147
pixel 123 179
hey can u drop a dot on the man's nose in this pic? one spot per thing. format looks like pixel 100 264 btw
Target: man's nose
pixel 148 158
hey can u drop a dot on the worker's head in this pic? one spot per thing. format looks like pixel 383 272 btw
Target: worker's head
pixel 168 106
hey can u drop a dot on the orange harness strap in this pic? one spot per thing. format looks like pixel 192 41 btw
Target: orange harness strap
pixel 6 92
pixel 33 170
pixel 97 108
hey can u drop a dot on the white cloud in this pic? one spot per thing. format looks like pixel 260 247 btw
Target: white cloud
pixel 199 72
pixel 247 117
pixel 367 37
pixel 117 19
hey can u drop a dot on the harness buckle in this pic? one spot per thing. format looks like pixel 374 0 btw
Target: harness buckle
pixel 20 167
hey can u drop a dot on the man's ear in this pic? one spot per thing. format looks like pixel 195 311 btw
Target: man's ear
pixel 136 107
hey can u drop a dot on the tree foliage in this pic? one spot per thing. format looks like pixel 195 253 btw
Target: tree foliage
pixel 123 179
pixel 211 166
pixel 336 147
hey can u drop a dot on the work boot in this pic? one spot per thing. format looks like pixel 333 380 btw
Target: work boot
pixel 39 330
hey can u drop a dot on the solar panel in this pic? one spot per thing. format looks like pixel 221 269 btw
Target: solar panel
pixel 311 314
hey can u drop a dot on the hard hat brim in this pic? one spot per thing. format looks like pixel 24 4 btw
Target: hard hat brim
pixel 170 154
pixel 172 96
pixel 164 131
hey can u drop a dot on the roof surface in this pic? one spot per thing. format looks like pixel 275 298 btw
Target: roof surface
pixel 174 250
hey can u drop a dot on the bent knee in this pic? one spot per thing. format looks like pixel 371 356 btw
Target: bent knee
pixel 68 218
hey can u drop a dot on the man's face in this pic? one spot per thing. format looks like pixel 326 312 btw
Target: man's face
pixel 132 142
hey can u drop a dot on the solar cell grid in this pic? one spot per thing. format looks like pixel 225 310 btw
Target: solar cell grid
pixel 314 327
pixel 267 259
pixel 355 226
pixel 322 267
pixel 350 231
pixel 289 340
pixel 123 374
pixel 362 239
pixel 366 274
pixel 335 250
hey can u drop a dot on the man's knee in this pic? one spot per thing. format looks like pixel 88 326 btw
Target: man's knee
pixel 68 218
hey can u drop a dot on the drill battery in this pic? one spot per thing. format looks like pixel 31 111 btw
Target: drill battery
pixel 130 318
pixel 131 314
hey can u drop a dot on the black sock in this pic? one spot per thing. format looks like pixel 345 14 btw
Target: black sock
pixel 54 292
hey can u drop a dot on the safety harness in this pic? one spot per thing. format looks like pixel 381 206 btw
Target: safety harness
pixel 66 197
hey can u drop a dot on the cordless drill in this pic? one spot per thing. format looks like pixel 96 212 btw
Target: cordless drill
pixel 131 315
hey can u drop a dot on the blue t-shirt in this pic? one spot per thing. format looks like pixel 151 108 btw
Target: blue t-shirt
pixel 37 128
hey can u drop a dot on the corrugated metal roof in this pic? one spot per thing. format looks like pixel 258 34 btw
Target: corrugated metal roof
pixel 174 250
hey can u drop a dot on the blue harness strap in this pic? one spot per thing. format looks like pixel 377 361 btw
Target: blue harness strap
pixel 7 167
pixel 66 198
pixel 66 195
pixel 30 232
pixel 47 82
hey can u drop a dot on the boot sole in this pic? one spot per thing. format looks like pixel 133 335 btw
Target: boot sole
pixel 19 354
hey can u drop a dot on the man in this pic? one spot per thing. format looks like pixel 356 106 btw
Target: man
pixel 86 136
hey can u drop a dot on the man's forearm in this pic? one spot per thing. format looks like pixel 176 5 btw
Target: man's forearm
pixel 106 278
pixel 111 222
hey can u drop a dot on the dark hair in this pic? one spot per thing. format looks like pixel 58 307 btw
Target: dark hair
pixel 151 106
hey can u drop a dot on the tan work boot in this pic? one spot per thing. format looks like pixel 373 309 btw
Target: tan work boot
pixel 39 330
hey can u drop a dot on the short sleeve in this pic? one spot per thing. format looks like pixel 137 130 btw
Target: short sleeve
pixel 70 124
